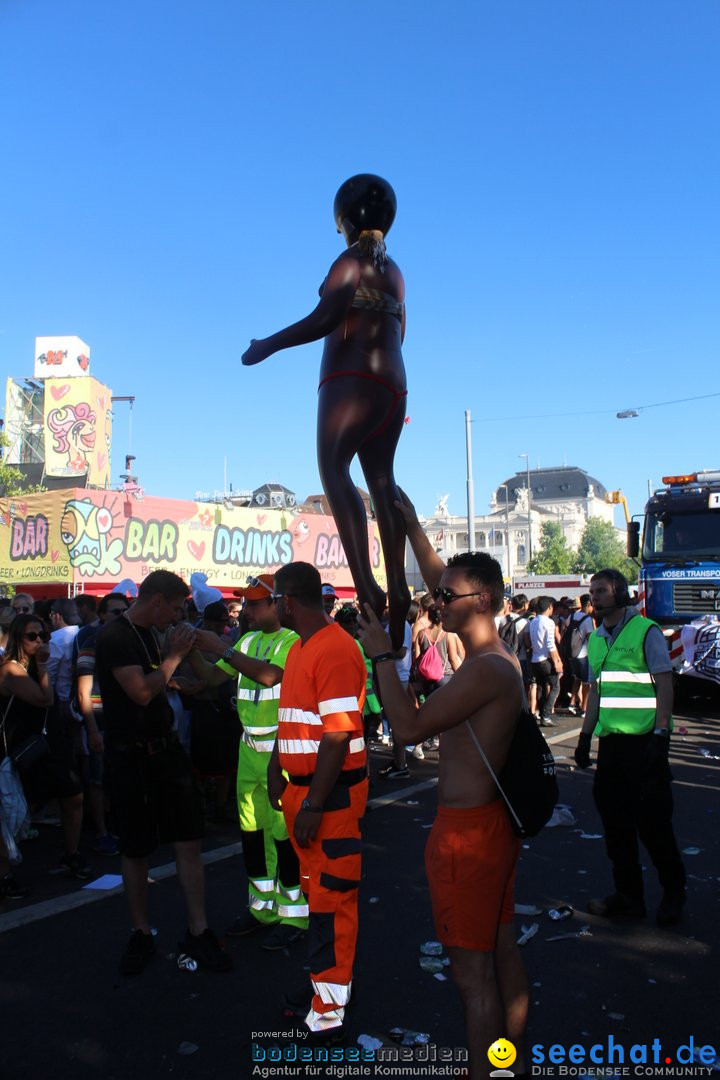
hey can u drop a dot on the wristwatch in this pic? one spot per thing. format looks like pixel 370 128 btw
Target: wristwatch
pixel 228 654
pixel 305 805
pixel 663 731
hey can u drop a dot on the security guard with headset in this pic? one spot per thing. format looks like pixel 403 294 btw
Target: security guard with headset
pixel 630 710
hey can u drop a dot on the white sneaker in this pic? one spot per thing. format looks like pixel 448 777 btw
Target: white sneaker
pixel 385 740
pixel 418 752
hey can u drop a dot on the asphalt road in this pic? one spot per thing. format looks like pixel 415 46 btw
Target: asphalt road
pixel 67 1013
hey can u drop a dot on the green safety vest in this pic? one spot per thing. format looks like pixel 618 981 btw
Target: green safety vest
pixel 372 705
pixel 628 699
pixel 257 705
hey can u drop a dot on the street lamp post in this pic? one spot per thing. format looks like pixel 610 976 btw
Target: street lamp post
pixel 527 466
pixel 470 491
pixel 507 534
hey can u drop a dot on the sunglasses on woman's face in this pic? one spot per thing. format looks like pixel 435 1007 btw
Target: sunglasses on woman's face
pixel 33 635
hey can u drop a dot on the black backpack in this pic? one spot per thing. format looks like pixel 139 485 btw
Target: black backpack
pixel 527 780
pixel 509 633
pixel 565 649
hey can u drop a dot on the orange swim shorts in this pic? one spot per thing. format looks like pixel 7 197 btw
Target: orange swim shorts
pixel 470 861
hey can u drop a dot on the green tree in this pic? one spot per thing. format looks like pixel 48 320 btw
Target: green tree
pixel 600 548
pixel 554 556
pixel 12 480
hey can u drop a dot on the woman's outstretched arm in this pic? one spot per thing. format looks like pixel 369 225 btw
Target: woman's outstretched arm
pixel 340 285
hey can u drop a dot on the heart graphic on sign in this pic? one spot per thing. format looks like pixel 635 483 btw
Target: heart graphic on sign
pixel 196 550
pixel 104 520
pixel 54 555
pixel 261 518
pixel 22 507
pixel 101 459
pixel 59 392
pixel 101 401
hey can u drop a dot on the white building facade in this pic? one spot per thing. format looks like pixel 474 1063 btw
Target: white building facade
pixel 511 532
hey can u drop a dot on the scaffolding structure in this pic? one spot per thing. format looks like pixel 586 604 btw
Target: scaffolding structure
pixel 24 422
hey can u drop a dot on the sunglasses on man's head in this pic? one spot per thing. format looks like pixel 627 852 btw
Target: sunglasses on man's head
pixel 448 596
pixel 255 582
pixel 33 635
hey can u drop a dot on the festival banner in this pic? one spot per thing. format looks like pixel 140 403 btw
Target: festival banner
pixel 78 429
pixel 92 539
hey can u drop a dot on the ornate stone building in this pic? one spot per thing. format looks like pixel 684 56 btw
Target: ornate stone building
pixel 566 494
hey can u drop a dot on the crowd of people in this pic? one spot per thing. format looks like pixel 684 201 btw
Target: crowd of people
pixel 550 639
pixel 141 701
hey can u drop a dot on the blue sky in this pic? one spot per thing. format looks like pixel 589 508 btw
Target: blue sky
pixel 168 176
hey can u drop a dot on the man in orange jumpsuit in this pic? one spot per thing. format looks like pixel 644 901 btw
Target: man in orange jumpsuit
pixel 321 748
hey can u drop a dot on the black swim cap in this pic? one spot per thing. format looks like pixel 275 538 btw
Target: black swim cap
pixel 365 201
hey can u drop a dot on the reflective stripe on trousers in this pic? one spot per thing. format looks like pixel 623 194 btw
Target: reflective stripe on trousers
pixel 330 870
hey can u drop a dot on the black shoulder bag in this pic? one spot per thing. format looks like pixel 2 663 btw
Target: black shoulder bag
pixel 28 751
pixel 527 780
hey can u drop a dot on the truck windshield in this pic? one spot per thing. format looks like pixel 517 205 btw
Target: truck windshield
pixel 682 536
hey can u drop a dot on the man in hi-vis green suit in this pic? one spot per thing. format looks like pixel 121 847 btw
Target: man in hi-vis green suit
pixel 258 658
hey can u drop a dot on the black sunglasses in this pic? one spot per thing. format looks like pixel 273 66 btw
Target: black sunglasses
pixel 22 610
pixel 33 635
pixel 448 596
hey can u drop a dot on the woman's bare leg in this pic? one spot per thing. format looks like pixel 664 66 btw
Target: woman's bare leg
pixel 343 420
pixel 377 457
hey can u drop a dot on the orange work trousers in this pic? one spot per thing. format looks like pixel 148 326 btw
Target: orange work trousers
pixel 329 876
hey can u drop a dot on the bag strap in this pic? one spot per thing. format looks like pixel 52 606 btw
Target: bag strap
pixel 2 725
pixel 492 772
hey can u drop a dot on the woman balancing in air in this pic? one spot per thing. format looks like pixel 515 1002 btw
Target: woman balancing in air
pixel 362 392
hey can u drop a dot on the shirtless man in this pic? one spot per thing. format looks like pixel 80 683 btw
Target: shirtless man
pixel 474 915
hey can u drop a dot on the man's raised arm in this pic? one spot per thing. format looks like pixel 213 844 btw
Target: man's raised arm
pixel 430 563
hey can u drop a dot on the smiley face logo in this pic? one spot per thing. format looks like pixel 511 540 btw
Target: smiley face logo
pixel 502 1053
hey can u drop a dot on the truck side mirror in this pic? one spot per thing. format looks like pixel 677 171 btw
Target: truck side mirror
pixel 633 539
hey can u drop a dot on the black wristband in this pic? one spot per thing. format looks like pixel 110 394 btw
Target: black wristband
pixel 382 656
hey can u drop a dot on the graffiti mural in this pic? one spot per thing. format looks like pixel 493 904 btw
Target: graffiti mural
pixel 78 431
pixel 107 536
pixel 85 531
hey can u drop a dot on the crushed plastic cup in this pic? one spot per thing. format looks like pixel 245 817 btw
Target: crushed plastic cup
pixel 691 850
pixel 558 914
pixel 527 933
pixel 561 815
pixel 431 948
pixel 369 1042
pixel 431 964
pixel 408 1038
pixel 186 963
